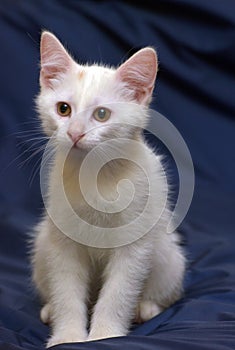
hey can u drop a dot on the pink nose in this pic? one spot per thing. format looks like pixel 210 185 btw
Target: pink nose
pixel 75 136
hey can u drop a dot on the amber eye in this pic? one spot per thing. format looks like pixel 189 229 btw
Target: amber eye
pixel 101 114
pixel 64 109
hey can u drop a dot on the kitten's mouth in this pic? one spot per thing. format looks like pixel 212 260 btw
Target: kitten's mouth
pixel 77 141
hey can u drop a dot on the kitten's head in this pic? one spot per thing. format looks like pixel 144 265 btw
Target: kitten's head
pixel 84 105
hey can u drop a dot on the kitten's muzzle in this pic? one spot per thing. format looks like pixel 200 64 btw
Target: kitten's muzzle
pixel 75 137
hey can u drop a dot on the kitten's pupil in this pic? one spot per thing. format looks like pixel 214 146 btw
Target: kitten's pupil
pixel 63 109
pixel 101 113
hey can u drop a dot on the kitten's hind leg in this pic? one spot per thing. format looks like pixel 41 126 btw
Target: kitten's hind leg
pixel 39 257
pixel 45 313
pixel 164 284
pixel 146 309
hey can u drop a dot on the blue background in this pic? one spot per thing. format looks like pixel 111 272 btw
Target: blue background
pixel 195 90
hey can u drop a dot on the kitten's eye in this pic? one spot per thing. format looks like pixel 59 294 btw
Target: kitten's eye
pixel 64 109
pixel 101 114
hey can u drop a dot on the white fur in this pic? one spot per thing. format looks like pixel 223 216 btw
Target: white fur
pixel 134 281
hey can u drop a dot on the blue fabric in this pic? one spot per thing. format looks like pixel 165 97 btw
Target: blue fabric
pixel 195 90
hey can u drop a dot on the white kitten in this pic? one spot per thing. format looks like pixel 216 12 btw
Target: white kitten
pixel 84 107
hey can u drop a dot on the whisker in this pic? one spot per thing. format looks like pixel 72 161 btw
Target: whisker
pixel 40 161
pixel 50 154
pixel 32 146
pixel 14 160
pixel 28 159
pixel 34 171
pixel 26 132
pixel 36 140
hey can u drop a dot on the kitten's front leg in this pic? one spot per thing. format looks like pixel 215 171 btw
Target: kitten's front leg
pixel 124 277
pixel 68 279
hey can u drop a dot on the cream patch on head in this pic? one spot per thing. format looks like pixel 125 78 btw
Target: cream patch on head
pixel 81 74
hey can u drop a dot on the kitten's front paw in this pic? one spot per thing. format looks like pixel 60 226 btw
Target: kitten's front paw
pixel 146 310
pixel 69 337
pixel 103 332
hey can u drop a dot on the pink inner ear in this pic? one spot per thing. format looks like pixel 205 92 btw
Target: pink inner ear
pixel 55 61
pixel 139 73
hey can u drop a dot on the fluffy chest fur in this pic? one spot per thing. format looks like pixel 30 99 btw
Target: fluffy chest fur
pixel 114 196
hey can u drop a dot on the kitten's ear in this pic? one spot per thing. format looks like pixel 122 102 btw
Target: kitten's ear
pixel 139 73
pixel 55 61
